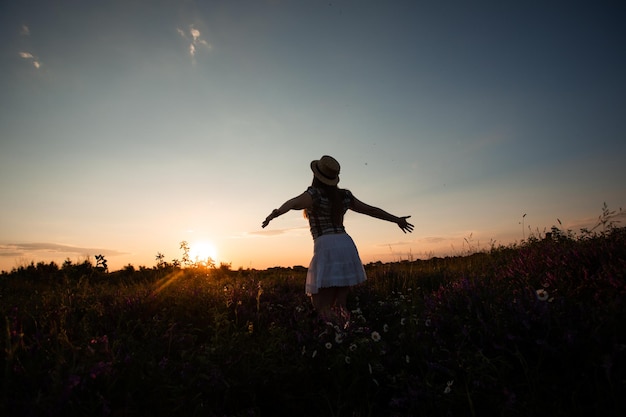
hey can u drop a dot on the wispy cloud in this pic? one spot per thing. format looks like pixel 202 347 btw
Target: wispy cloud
pixel 595 223
pixel 194 37
pixel 25 31
pixel 276 232
pixel 41 249
pixel 394 244
pixel 434 239
pixel 28 56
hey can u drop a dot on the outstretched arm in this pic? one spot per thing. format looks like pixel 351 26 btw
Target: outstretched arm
pixel 361 207
pixel 300 202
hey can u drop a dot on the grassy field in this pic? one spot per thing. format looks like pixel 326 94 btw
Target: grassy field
pixel 534 329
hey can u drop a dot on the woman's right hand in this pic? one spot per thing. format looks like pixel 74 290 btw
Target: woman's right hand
pixel 269 218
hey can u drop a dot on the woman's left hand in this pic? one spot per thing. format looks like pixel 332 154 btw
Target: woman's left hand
pixel 404 225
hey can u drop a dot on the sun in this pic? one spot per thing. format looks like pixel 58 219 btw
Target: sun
pixel 202 250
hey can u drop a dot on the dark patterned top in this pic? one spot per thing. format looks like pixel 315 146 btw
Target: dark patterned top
pixel 320 216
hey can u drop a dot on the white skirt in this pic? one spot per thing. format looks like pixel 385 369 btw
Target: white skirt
pixel 335 263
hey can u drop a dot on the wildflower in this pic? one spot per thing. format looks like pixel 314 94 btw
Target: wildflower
pixel 353 347
pixel 338 338
pixel 542 295
pixel 385 328
pixel 375 336
pixel 101 368
pixel 448 389
pixel 402 321
pixel 348 360
pixel 427 322
pixel 73 381
pixel 329 345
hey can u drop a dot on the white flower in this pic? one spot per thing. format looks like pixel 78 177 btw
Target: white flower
pixel 402 321
pixel 448 389
pixel 329 345
pixel 348 360
pixel 353 347
pixel 408 359
pixel 427 322
pixel 385 327
pixel 338 338
pixel 314 354
pixel 542 295
pixel 375 336
pixel 303 350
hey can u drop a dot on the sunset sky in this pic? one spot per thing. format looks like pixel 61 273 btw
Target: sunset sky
pixel 127 127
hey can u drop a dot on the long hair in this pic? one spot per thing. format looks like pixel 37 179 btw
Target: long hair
pixel 335 195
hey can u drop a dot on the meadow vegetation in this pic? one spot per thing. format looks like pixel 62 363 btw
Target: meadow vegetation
pixel 531 329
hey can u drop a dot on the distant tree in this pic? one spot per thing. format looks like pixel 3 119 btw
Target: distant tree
pixel 210 263
pixel 101 263
pixel 160 260
pixel 184 245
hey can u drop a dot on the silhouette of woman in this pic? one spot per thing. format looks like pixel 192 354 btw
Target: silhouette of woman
pixel 336 265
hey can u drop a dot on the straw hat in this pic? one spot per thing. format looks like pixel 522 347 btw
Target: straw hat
pixel 326 169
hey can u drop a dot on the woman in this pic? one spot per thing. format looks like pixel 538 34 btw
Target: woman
pixel 336 264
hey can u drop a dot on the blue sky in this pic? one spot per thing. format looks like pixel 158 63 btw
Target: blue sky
pixel 128 127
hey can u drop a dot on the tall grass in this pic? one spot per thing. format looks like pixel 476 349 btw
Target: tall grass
pixel 531 329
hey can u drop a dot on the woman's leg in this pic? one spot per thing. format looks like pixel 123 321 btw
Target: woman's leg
pixel 341 295
pixel 329 299
pixel 323 300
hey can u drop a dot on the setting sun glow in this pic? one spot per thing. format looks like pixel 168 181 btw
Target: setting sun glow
pixel 202 250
